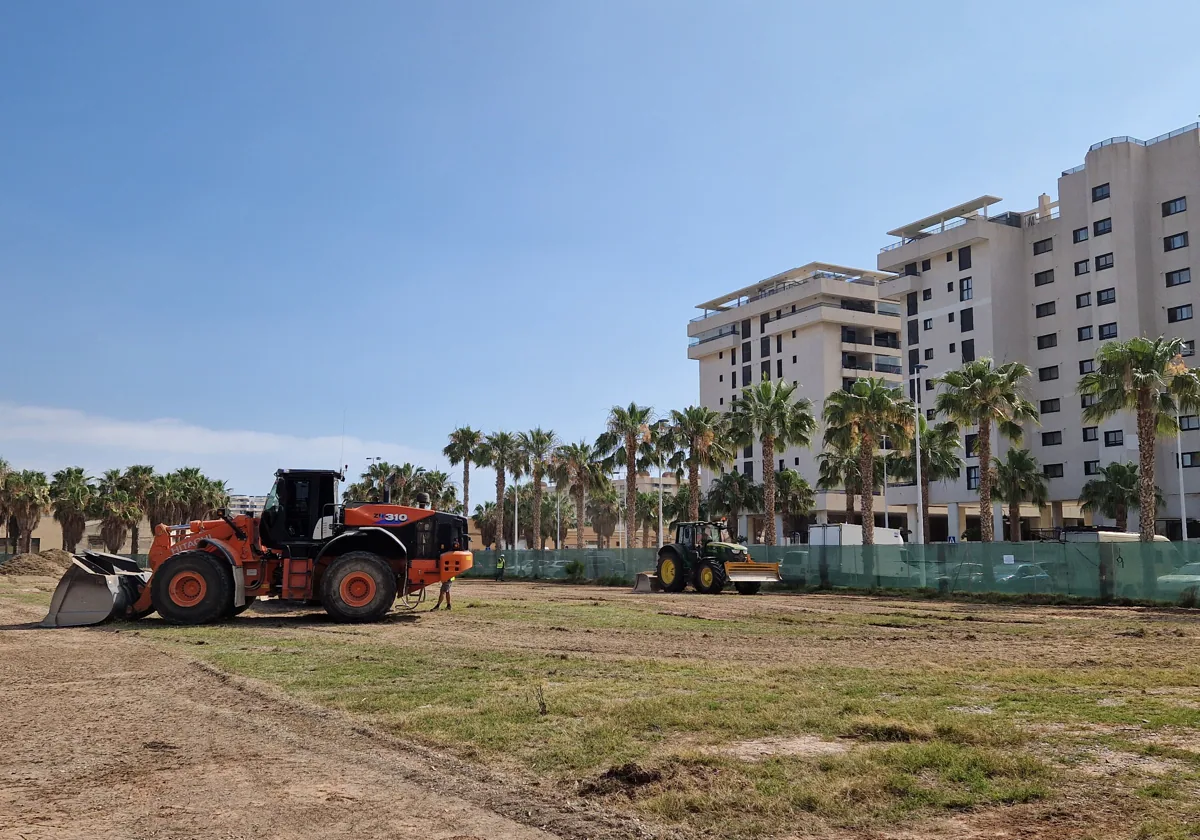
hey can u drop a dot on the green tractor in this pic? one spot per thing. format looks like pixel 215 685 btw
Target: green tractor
pixel 698 556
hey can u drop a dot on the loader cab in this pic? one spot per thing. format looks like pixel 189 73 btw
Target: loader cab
pixel 296 505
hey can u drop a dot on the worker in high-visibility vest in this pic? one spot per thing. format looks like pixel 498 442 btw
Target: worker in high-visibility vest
pixel 500 568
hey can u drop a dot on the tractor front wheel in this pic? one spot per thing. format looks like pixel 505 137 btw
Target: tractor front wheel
pixel 710 577
pixel 194 587
pixel 671 572
pixel 358 586
pixel 747 588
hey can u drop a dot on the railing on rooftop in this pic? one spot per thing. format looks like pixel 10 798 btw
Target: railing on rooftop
pixel 784 286
pixel 1036 218
pixel 713 335
pixel 1125 138
pixel 731 329
pixel 1075 169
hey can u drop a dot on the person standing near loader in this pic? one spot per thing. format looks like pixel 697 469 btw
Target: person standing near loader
pixel 500 569
pixel 444 592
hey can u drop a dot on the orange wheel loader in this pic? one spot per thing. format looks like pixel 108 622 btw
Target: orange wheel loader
pixel 353 559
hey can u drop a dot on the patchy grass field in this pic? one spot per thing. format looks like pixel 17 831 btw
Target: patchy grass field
pixel 778 715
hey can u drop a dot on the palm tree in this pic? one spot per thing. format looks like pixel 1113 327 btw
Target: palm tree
pixel 731 493
pixel 485 521
pixel 138 482
pixel 116 509
pixel 71 492
pixel 462 448
pixel 771 413
pixel 436 484
pixel 838 467
pixel 860 418
pixel 1150 379
pixel 577 467
pixel 603 510
pixel 501 452
pixel 705 440
pixel 27 495
pixel 5 511
pixel 940 461
pixel 793 495
pixel 646 510
pixel 628 432
pixel 980 394
pixel 1018 478
pixel 404 482
pixel 537 447
pixel 679 508
pixel 1114 493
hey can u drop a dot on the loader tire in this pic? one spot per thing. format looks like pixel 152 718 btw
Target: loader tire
pixel 358 586
pixel 747 588
pixel 194 587
pixel 709 578
pixel 671 571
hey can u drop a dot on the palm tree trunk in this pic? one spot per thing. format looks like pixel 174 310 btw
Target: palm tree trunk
pixel 1147 502
pixel 1014 521
pixel 466 486
pixel 646 533
pixel 499 506
pixel 134 536
pixel 849 506
pixel 925 504
pixel 768 458
pixel 866 471
pixel 987 530
pixel 536 526
pixel 631 477
pixel 579 516
pixel 1122 516
pixel 693 488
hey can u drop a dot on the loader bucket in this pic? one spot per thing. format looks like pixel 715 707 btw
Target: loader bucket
pixel 97 587
pixel 750 572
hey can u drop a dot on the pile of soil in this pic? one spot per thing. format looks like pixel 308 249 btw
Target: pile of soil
pixel 50 563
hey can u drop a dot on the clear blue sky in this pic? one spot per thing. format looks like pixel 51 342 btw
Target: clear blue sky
pixel 221 223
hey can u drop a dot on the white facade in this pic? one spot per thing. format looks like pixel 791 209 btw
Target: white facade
pixel 817 326
pixel 249 505
pixel 1047 287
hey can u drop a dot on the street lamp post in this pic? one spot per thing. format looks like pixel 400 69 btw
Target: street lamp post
pixel 660 503
pixel 1179 469
pixel 920 531
pixel 886 523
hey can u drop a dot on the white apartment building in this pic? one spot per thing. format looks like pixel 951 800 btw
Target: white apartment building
pixel 249 505
pixel 819 326
pixel 1110 258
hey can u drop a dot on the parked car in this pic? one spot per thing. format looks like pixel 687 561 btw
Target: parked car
pixel 1181 580
pixel 1023 577
pixel 964 576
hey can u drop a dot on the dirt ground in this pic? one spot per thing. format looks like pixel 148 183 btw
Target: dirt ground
pixel 107 737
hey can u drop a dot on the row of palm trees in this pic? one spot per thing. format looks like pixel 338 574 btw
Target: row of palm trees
pixel 402 484
pixel 1139 375
pixel 119 500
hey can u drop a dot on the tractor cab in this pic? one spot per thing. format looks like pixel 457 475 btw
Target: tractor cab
pixel 697 535
pixel 300 508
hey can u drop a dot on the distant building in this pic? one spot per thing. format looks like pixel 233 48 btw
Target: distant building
pixel 249 505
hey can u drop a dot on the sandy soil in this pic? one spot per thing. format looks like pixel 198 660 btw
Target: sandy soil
pixel 106 737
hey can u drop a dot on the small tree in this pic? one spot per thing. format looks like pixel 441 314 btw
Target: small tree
pixel 1114 492
pixel 1018 478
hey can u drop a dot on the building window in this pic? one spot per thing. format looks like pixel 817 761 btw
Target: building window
pixel 928 384
pixel 950 286
pixel 951 318
pixel 797 462
pixel 1090 433
pixel 930 413
pixel 966 321
pixel 746 376
pixel 970 442
pixel 972 478
pixel 1102 226
pixel 1087 400
pixel 1179 313
pixel 949 256
pixel 793 360
pixel 1106 296
pixel 1083 267
pixel 1045 342
pixel 1175 205
pixel 764 346
pixel 779 368
pixel 722 401
pixel 1049 406
pixel 733 379
pixel 1051 438
pixel 721 378
pixel 1043 246
pixel 1043 310
pixel 928 353
pixel 927 324
pixel 964 258
pixel 1189 348
pixel 1043 277
pixel 1083 300
pixel 911 300
pixel 748 470
pixel 1104 261
pixel 733 356
pixel 1178 278
pixel 1091 468
pixel 1052 470
pixel 925 265
pixel 1115 438
pixel 1189 423
pixel 1191 459
pixel 1086 366
pixel 927 294
pixel 910 270
pixel 781 465
pixel 1085 333
pixel 965 290
pixel 763 320
pixel 913 335
pixel 746 351
pixel 764 369
pixel 779 343
pixel 951 346
pixel 1175 241
pixel 1108 331
pixel 1079 235
pixel 1047 374
pixel 968 350
pixel 1100 193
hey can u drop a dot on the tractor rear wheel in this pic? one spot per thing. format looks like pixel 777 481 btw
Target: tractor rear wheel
pixel 193 587
pixel 358 586
pixel 710 577
pixel 747 588
pixel 672 573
